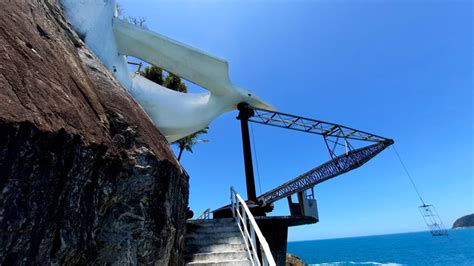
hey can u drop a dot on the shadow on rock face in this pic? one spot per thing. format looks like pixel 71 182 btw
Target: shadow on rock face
pixel 85 177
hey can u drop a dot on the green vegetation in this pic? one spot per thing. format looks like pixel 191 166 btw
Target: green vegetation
pixel 175 83
pixel 153 73
pixel 188 142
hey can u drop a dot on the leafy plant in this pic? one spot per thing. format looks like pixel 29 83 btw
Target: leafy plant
pixel 187 143
pixel 154 74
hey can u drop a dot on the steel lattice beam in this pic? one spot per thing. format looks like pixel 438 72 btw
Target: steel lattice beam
pixel 338 165
pixel 313 126
pixel 334 136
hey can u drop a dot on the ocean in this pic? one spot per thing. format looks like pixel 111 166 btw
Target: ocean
pixel 418 248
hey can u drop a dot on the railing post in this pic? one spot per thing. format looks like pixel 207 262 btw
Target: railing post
pixel 254 244
pixel 232 201
pixel 254 240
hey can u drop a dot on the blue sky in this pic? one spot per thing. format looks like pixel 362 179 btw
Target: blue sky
pixel 401 69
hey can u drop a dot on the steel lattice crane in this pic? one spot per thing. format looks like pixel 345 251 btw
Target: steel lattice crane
pixel 345 157
pixel 335 136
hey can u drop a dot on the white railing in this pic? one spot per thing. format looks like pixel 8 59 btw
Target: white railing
pixel 250 232
pixel 205 215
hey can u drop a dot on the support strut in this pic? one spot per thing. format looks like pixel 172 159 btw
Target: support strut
pixel 245 113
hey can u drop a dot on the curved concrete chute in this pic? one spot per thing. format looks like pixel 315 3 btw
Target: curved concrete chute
pixel 177 115
pixel 207 71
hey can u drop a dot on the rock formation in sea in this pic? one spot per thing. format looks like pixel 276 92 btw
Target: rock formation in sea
pixel 292 260
pixel 85 177
pixel 464 222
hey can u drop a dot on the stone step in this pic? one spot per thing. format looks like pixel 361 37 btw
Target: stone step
pixel 220 220
pixel 210 225
pixel 210 240
pixel 192 249
pixel 208 235
pixel 212 230
pixel 217 256
pixel 211 222
pixel 222 263
pixel 215 242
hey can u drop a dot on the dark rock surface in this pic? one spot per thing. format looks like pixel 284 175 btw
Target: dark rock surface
pixel 464 222
pixel 292 260
pixel 85 177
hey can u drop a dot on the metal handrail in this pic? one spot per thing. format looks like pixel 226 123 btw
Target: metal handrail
pixel 250 231
pixel 205 215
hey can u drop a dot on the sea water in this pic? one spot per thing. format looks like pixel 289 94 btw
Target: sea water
pixel 418 248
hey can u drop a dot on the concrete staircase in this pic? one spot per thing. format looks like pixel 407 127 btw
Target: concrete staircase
pixel 215 242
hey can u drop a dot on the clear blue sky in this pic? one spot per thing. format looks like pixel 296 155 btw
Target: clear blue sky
pixel 401 69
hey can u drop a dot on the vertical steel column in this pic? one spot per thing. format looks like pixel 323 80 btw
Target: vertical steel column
pixel 245 113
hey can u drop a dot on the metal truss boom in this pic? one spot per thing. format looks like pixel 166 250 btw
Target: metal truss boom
pixel 344 156
pixel 338 165
pixel 313 126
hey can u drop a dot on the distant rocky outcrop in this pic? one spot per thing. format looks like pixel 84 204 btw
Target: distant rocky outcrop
pixel 292 260
pixel 85 177
pixel 465 221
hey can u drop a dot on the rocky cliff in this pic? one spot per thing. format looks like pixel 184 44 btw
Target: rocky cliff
pixel 85 177
pixel 292 260
pixel 464 222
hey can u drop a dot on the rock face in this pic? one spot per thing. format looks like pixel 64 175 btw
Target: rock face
pixel 292 260
pixel 464 222
pixel 85 177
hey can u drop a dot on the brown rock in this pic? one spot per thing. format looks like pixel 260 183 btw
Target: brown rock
pixel 292 260
pixel 85 177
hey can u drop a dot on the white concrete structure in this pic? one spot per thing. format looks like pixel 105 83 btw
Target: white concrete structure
pixel 176 114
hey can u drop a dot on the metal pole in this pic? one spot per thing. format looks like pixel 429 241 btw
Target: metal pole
pixel 245 113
